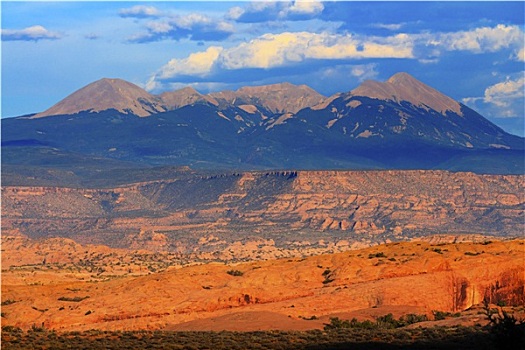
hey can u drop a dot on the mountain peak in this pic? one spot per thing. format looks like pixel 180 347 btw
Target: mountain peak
pixel 402 78
pixel 107 93
pixel 277 98
pixel 404 87
pixel 185 96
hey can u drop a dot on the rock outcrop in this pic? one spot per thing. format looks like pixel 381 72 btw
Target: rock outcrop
pixel 292 210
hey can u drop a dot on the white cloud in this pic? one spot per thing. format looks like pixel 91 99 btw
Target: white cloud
pixel 520 55
pixel 193 26
pixel 33 33
pixel 159 27
pixel 501 100
pixel 235 13
pixel 278 50
pixel 140 11
pixel 365 71
pixel 266 11
pixel 484 39
pixel 502 94
pixel 197 64
pixel 306 7
pixel 274 50
pixel 291 49
pixel 191 20
pixel 392 26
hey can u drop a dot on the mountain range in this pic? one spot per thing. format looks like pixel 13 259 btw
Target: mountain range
pixel 401 123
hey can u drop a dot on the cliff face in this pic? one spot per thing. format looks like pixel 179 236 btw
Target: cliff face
pixel 288 209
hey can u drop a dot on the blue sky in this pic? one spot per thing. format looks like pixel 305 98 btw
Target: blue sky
pixel 471 51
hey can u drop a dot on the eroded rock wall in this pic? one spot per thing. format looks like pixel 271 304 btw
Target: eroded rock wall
pixel 288 207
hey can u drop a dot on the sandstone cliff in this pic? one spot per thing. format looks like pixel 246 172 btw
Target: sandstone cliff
pixel 260 211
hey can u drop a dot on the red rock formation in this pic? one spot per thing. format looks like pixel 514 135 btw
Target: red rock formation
pixel 286 207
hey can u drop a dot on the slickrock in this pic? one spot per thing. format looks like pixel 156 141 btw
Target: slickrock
pixel 414 275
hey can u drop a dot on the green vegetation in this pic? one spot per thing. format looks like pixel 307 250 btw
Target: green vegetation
pixel 507 330
pixel 377 255
pixel 441 315
pixel 236 273
pixel 73 299
pixel 472 254
pixel 382 322
pixel 340 338
pixel 327 274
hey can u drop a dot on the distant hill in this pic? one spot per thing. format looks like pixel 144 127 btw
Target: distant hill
pixel 398 124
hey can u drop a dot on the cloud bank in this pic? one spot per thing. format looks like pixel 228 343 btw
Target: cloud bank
pixel 291 49
pixel 281 50
pixel 168 26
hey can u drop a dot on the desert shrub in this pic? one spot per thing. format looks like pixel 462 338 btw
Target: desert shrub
pixel 336 323
pixel 310 318
pixel 11 329
pixel 388 322
pixel 37 329
pixel 73 299
pixel 507 330
pixel 382 322
pixel 8 302
pixel 413 318
pixel 377 255
pixel 440 315
pixel 471 253
pixel 235 273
